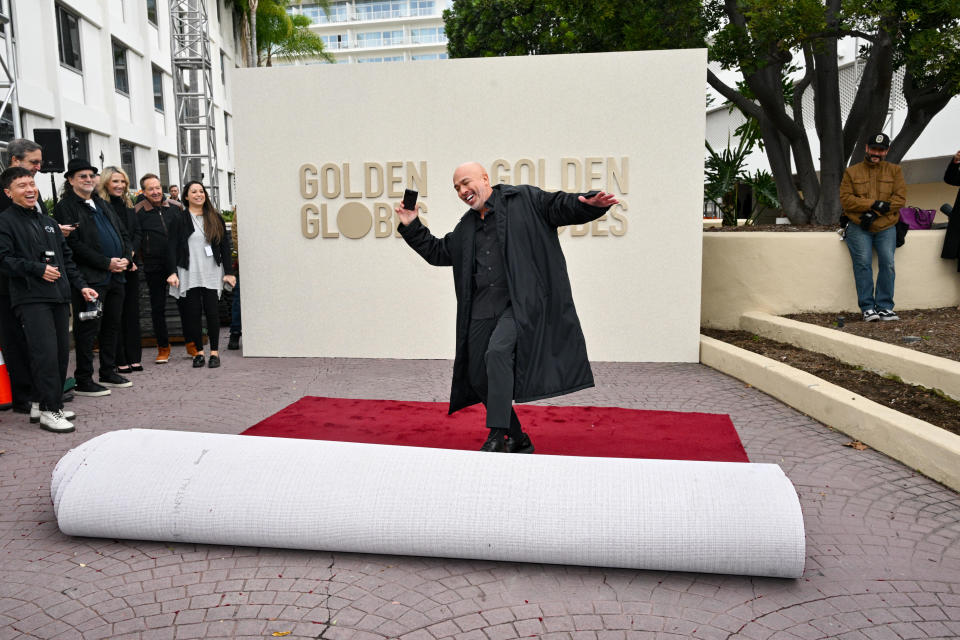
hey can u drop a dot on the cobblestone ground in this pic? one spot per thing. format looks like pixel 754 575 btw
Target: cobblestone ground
pixel 883 543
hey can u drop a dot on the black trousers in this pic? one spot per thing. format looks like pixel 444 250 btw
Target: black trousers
pixel 197 303
pixel 491 345
pixel 104 329
pixel 157 284
pixel 129 350
pixel 13 344
pixel 47 329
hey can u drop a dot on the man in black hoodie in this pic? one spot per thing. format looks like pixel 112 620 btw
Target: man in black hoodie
pixel 29 155
pixel 102 252
pixel 35 256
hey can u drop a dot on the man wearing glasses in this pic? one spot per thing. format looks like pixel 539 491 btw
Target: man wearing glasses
pixel 102 252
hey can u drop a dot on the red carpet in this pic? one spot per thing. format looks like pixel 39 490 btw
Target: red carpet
pixel 569 431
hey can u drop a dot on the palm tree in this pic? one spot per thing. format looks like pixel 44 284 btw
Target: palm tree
pixel 270 31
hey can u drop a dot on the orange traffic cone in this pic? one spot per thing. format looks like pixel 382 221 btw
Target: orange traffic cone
pixel 6 396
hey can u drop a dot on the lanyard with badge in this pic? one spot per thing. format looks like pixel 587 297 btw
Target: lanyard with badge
pixel 198 226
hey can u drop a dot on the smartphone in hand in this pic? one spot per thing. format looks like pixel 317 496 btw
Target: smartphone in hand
pixel 410 199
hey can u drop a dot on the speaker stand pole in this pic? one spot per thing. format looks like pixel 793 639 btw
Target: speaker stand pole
pixel 53 189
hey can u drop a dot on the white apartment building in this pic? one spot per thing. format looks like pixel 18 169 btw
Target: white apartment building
pixel 924 163
pixel 100 72
pixel 379 30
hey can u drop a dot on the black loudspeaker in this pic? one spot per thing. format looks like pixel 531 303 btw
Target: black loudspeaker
pixel 52 142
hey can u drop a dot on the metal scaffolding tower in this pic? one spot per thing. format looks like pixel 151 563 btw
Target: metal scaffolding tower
pixel 193 94
pixel 8 75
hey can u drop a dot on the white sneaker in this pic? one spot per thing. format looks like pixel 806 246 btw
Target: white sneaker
pixel 35 413
pixel 55 421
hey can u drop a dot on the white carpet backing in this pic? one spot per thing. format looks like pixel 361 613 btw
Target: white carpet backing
pixel 718 517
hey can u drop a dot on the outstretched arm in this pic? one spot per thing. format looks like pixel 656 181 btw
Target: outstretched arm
pixel 560 208
pixel 432 249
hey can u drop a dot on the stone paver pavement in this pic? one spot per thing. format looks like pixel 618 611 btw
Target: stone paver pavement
pixel 883 543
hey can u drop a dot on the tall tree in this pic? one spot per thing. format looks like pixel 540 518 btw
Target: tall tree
pixel 269 31
pixel 762 39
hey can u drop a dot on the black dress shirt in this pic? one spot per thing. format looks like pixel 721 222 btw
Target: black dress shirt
pixel 490 292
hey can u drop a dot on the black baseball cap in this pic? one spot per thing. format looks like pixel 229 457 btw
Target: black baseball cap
pixel 879 141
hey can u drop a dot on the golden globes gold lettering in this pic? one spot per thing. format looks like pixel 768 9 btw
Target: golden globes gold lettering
pixel 371 190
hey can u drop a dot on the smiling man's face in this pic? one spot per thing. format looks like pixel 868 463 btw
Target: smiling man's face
pixel 472 184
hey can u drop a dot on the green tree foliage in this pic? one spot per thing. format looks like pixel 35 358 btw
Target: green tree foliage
pixel 764 40
pixel 481 28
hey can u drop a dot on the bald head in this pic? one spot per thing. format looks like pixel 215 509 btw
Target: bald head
pixel 472 184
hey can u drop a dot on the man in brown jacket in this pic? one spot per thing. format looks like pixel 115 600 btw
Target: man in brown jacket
pixel 871 194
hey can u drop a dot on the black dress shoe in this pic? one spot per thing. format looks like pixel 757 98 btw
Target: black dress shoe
pixel 234 342
pixel 198 361
pixel 124 369
pixel 493 443
pixel 136 367
pixel 521 444
pixel 214 362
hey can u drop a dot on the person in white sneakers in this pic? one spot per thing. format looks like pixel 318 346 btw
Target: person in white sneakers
pixel 35 255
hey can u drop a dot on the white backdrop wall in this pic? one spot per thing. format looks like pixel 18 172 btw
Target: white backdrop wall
pixel 324 153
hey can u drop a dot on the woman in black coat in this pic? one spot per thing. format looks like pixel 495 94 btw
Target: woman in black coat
pixel 951 240
pixel 199 262
pixel 115 189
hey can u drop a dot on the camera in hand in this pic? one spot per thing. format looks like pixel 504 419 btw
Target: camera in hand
pixel 867 218
pixel 94 310
pixel 880 206
pixel 49 257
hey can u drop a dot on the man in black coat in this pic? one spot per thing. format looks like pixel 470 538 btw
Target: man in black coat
pixel 35 256
pixel 951 239
pixel 102 251
pixel 518 334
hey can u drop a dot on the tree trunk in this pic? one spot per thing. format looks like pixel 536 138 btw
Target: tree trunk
pixel 254 50
pixel 826 100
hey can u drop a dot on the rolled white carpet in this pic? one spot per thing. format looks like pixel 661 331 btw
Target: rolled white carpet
pixel 717 517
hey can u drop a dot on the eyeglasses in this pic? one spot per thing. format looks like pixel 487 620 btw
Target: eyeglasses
pixel 86 176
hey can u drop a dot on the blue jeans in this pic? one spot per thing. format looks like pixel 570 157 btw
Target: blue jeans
pixel 861 245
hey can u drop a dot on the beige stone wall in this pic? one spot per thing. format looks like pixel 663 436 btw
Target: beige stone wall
pixel 783 272
pixel 325 151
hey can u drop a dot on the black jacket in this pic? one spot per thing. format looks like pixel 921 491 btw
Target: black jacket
pixel 178 252
pixel 131 223
pixel 6 203
pixel 951 239
pixel 155 231
pixel 551 355
pixel 85 240
pixel 25 234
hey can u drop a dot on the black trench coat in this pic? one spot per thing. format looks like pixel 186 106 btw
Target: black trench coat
pixel 551 356
pixel 951 239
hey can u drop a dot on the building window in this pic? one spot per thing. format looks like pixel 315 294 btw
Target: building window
pixel 379 38
pixel 128 159
pixel 223 68
pixel 157 89
pixel 378 9
pixel 152 12
pixel 230 179
pixel 78 142
pixel 226 128
pixel 334 42
pixel 68 36
pixel 427 35
pixel 421 7
pixel 120 80
pixel 430 56
pixel 163 164
pixel 338 12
